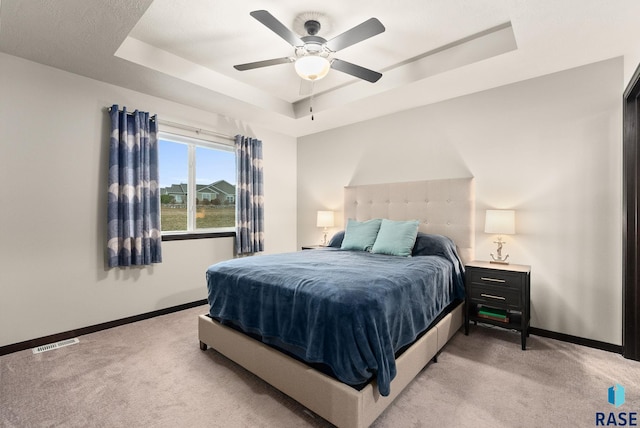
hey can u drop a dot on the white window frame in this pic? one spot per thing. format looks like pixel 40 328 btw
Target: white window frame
pixel 192 143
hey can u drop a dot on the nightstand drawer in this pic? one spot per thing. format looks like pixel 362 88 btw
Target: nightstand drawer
pixel 500 297
pixel 495 277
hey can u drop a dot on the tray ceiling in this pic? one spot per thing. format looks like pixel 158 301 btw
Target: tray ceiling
pixel 184 50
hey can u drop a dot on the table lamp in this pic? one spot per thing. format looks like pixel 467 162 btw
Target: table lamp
pixel 325 219
pixel 500 222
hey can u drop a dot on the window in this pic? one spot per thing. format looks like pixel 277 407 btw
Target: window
pixel 197 184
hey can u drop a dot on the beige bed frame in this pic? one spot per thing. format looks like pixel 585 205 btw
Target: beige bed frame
pixel 443 207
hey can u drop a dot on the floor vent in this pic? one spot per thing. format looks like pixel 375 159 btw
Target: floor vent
pixel 56 345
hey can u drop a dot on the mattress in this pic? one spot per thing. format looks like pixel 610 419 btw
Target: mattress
pixel 349 310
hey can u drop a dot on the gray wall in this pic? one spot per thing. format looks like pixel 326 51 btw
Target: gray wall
pixel 53 170
pixel 550 148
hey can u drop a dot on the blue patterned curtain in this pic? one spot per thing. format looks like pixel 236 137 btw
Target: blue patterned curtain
pixel 249 196
pixel 133 236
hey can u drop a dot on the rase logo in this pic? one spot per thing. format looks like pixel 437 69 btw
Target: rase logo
pixel 621 419
pixel 616 395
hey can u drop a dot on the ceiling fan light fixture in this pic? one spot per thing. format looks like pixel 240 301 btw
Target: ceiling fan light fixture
pixel 313 53
pixel 312 67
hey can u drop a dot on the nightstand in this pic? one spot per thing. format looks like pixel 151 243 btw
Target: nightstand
pixel 313 247
pixel 499 295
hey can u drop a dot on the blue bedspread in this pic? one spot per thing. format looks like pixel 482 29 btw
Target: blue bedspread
pixel 350 310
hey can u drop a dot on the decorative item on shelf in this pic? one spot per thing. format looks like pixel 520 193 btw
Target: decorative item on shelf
pixel 493 314
pixel 325 219
pixel 500 222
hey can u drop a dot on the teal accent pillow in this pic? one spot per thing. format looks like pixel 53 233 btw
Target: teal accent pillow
pixel 360 235
pixel 396 238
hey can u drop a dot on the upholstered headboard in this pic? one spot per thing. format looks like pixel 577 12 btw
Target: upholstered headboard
pixel 444 207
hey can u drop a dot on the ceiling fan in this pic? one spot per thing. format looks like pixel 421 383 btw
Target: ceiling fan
pixel 314 54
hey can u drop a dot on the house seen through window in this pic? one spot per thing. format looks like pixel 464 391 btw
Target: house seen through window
pixel 197 184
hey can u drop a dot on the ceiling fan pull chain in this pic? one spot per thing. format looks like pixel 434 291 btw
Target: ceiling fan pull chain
pixel 311 101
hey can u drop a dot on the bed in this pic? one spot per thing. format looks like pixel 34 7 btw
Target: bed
pixel 269 313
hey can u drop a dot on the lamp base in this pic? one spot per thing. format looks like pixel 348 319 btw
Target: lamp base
pixel 499 260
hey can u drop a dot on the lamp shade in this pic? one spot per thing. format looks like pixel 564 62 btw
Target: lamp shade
pixel 312 67
pixel 325 219
pixel 501 222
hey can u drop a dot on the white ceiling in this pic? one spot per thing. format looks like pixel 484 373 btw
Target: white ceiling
pixel 432 50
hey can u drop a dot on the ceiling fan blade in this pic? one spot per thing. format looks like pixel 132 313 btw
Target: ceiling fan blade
pixel 361 32
pixel 265 63
pixel 277 27
pixel 356 70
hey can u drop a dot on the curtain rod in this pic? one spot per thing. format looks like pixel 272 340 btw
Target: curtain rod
pixel 196 130
pixel 191 128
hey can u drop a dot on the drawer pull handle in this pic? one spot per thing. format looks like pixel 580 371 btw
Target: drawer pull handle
pixel 491 296
pixel 493 279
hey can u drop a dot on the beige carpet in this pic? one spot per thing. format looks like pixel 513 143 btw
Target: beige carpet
pixel 152 374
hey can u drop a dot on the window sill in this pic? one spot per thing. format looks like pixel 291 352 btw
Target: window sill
pixel 201 235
